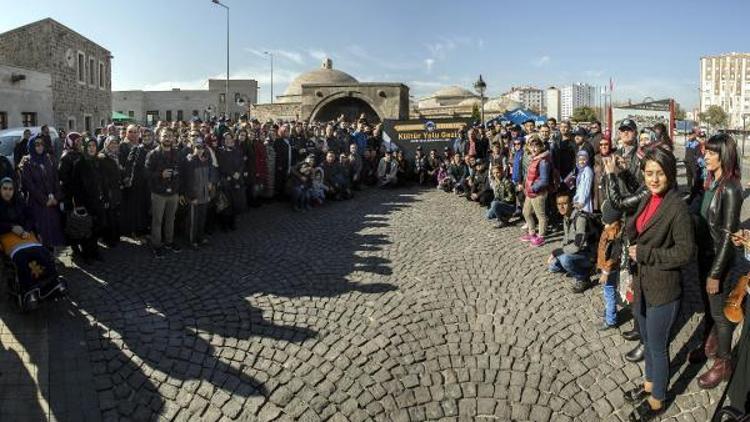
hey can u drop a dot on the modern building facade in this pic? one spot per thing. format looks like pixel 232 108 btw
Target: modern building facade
pixel 25 97
pixel 79 70
pixel 574 96
pixel 725 82
pixel 148 107
pixel 530 97
pixel 553 103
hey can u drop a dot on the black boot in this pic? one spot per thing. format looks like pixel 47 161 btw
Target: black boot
pixel 636 355
pixel 631 335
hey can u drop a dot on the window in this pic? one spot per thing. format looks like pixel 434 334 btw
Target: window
pixel 196 113
pixel 71 124
pixel 131 114
pixel 179 115
pixel 152 117
pixel 169 115
pixel 222 98
pixel 87 122
pixel 101 75
pixel 28 119
pixel 81 68
pixel 3 120
pixel 92 73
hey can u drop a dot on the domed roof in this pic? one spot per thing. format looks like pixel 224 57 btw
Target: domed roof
pixel 501 104
pixel 470 102
pixel 453 91
pixel 325 75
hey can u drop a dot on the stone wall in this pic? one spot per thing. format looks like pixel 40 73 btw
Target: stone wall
pixel 283 111
pixel 33 94
pixel 46 46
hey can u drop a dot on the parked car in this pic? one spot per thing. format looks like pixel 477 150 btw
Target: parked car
pixel 9 139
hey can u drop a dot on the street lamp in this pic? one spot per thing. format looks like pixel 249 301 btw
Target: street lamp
pixel 271 56
pixel 480 86
pixel 226 87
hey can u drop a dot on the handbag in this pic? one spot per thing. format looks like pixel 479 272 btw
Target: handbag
pixel 222 202
pixel 79 223
pixel 733 304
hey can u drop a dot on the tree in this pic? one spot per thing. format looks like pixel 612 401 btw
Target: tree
pixel 679 113
pixel 584 114
pixel 714 116
pixel 475 114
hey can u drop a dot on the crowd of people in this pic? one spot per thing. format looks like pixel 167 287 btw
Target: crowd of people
pixel 615 201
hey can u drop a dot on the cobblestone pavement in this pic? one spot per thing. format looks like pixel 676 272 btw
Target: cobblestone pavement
pixel 399 305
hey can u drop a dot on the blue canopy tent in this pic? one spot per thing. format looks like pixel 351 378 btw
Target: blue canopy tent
pixel 520 115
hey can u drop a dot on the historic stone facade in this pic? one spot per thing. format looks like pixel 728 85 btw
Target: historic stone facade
pixel 147 107
pixel 25 97
pixel 80 71
pixel 324 94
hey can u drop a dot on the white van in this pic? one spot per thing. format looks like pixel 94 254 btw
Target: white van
pixel 9 139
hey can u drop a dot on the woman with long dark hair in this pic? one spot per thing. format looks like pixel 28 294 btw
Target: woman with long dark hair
pixel 661 241
pixel 717 217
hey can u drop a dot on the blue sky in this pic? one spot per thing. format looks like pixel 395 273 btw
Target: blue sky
pixel 650 48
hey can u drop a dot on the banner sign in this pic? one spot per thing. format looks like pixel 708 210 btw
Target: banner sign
pixel 645 115
pixel 435 134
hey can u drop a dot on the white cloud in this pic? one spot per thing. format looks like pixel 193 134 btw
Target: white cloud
pixel 593 73
pixel 541 61
pixel 292 56
pixel 317 54
pixel 428 63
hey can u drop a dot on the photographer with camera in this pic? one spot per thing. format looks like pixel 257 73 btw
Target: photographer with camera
pixel 162 166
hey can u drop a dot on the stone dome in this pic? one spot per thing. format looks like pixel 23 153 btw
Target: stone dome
pixel 452 92
pixel 470 102
pixel 325 75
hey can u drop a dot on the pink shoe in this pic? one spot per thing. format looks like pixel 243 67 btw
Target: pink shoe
pixel 537 241
pixel 527 237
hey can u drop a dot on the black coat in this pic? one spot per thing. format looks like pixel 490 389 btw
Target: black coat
pixel 666 244
pixel 723 215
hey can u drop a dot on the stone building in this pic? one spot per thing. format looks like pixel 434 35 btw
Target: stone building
pixel 80 71
pixel 25 97
pixel 147 107
pixel 326 93
pixel 455 101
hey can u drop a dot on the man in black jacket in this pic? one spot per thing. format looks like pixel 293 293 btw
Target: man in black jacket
pixel 162 166
pixel 286 158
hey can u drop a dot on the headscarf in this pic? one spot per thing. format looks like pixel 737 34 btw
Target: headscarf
pixel 106 151
pixel 86 143
pixel 584 154
pixel 31 147
pixel 70 140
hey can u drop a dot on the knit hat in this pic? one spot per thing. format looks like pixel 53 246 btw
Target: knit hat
pixel 609 213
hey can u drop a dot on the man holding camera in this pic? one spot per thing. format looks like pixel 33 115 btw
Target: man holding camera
pixel 162 166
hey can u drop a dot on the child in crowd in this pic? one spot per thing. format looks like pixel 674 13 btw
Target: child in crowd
pixel 583 198
pixel 608 261
pixel 318 188
pixel 504 197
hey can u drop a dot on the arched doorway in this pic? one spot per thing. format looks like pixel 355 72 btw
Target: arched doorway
pixel 350 107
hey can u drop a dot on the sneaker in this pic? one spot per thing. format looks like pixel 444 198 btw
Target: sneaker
pixel 173 247
pixel 580 286
pixel 537 241
pixel 159 253
pixel 605 327
pixel 527 237
pixel 500 224
pixel 525 226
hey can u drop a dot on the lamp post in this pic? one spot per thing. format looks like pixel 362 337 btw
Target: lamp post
pixel 744 131
pixel 480 86
pixel 271 56
pixel 226 86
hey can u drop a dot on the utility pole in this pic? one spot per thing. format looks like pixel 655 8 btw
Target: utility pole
pixel 226 86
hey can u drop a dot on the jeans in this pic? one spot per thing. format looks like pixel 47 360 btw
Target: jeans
pixel 714 319
pixel 655 325
pixel 163 209
pixel 500 209
pixel 610 298
pixel 579 266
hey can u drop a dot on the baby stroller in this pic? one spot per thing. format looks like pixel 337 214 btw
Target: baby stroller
pixel 29 271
